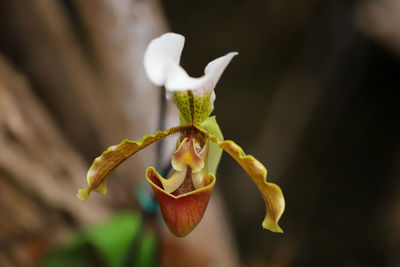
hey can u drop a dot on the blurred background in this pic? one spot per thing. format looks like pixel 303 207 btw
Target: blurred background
pixel 313 94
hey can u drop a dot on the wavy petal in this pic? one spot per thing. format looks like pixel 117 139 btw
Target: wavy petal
pixel 115 155
pixel 272 194
pixel 181 213
pixel 161 62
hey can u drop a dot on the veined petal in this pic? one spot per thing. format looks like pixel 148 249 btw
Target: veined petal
pixel 161 62
pixel 181 213
pixel 272 194
pixel 115 155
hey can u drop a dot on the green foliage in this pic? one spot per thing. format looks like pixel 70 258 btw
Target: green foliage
pixel 147 250
pixel 121 241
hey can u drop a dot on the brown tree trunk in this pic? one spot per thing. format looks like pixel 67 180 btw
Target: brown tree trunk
pixel 83 88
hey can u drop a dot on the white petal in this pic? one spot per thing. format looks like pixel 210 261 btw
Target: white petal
pixel 215 68
pixel 178 80
pixel 160 53
pixel 161 62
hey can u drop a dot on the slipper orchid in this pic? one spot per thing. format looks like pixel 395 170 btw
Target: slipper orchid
pixel 183 197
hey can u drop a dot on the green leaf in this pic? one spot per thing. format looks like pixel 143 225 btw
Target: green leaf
pixel 109 244
pixel 76 253
pixel 147 250
pixel 114 238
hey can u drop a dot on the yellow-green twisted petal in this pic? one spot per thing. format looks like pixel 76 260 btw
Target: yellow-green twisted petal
pixel 115 155
pixel 272 194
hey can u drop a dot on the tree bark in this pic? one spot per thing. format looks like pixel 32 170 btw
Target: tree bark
pixel 39 174
pixel 83 88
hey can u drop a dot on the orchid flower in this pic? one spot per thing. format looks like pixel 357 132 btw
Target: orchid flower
pixel 184 195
